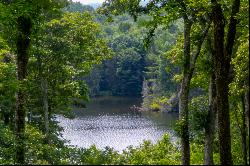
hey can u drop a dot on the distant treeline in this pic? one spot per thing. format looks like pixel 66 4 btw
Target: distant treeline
pixel 132 63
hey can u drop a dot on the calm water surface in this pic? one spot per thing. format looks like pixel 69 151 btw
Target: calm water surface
pixel 107 121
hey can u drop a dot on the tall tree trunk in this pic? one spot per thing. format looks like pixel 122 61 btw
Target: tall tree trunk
pixel 183 116
pixel 222 70
pixel 210 125
pixel 189 66
pixel 244 132
pixel 222 57
pixel 23 43
pixel 183 96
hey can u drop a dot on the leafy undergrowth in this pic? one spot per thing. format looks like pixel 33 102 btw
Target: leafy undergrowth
pixel 39 153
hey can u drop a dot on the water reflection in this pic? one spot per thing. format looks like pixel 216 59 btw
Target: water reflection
pixel 107 121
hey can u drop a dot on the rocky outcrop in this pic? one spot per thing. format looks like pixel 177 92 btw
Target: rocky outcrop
pixel 135 108
pixel 173 104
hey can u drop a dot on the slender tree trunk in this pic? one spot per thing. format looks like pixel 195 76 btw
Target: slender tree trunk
pixel 183 116
pixel 222 57
pixel 23 43
pixel 222 70
pixel 210 126
pixel 183 96
pixel 244 133
pixel 189 66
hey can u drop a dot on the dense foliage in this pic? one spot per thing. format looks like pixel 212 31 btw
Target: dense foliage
pixel 57 53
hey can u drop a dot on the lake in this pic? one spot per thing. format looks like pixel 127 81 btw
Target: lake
pixel 107 121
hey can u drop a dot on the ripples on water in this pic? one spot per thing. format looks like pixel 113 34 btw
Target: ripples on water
pixel 117 130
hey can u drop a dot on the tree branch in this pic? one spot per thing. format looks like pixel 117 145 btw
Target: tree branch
pixel 198 49
pixel 232 30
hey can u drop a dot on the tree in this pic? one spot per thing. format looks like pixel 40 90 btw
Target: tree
pixel 238 90
pixel 8 84
pixel 129 66
pixel 23 24
pixel 64 52
pixel 212 111
pixel 122 74
pixel 78 7
pixel 222 57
